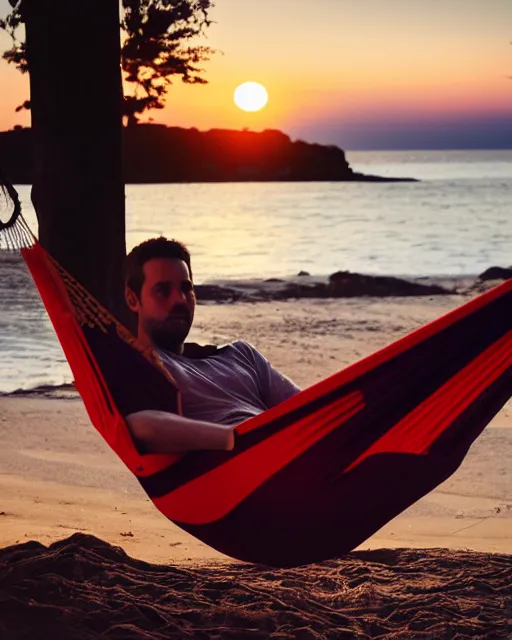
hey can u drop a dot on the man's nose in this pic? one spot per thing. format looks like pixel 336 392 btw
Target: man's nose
pixel 177 296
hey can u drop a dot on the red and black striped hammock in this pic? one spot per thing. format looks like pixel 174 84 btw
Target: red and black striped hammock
pixel 316 476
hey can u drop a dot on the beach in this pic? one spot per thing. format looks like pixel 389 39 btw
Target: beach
pixel 327 207
pixel 59 480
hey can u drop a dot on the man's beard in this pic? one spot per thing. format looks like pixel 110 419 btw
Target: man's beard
pixel 169 334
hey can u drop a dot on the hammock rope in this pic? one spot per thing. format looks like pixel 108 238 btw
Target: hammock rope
pixel 15 233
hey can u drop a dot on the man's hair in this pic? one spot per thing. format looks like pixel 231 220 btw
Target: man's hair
pixel 148 250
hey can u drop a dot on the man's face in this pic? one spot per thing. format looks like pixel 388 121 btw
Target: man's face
pixel 167 302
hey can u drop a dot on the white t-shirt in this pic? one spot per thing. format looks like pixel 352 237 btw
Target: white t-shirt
pixel 234 384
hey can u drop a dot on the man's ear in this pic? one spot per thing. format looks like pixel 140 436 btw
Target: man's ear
pixel 131 300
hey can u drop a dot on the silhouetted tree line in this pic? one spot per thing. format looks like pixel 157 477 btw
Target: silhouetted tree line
pixel 155 153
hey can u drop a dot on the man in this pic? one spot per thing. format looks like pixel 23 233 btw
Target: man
pixel 220 387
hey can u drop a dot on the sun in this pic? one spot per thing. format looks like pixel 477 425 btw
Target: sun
pixel 251 96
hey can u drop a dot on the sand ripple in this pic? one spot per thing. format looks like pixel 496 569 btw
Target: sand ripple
pixel 83 587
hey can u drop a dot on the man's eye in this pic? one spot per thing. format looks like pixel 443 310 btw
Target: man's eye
pixel 187 287
pixel 162 291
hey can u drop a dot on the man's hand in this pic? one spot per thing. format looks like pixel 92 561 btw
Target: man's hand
pixel 230 433
pixel 168 433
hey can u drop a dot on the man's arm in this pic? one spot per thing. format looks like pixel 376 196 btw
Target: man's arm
pixel 168 433
pixel 278 387
pixel 275 387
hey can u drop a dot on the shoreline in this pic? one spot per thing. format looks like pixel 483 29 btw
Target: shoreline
pixel 309 292
pixel 341 284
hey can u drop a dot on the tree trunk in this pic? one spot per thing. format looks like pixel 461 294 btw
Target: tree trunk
pixel 74 58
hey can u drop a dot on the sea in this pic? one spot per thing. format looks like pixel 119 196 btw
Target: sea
pixel 455 222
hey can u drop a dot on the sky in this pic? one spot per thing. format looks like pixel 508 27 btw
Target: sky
pixel 362 74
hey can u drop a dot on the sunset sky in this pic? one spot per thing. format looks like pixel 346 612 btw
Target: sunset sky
pixel 363 74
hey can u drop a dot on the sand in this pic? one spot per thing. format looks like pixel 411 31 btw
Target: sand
pixel 449 575
pixel 84 588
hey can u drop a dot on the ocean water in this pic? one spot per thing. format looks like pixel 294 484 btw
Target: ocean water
pixel 457 221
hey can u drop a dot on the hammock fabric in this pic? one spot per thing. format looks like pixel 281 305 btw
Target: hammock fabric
pixel 314 477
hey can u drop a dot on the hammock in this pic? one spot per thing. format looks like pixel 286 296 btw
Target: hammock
pixel 316 476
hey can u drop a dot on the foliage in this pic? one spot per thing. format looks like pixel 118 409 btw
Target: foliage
pixel 157 43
